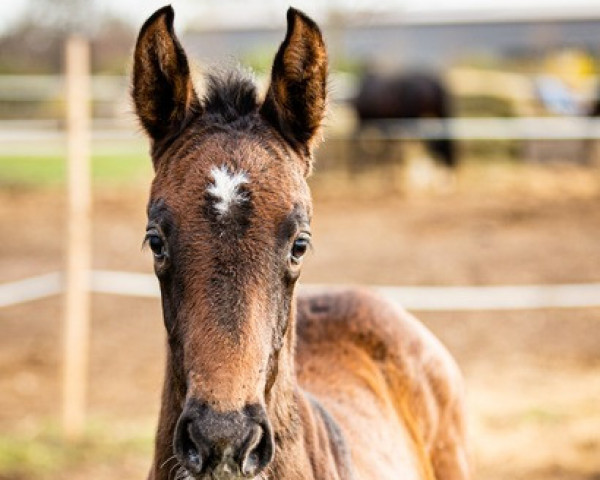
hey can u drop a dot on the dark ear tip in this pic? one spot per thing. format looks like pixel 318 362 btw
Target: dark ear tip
pixel 291 14
pixel 167 12
pixel 294 13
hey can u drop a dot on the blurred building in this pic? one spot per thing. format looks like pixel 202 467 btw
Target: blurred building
pixel 431 40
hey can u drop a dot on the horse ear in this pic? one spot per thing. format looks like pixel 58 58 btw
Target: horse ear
pixel 296 98
pixel 162 90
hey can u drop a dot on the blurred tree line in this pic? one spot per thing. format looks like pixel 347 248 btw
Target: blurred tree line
pixel 35 43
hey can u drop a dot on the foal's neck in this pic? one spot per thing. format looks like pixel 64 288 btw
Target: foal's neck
pixel 282 398
pixel 306 446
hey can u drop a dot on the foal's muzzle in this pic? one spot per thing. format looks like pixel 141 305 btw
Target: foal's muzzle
pixel 223 445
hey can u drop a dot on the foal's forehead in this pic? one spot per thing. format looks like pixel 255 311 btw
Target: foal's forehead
pixel 232 172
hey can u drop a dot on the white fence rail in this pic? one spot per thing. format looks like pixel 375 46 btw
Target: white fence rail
pixel 451 298
pixel 15 132
pixel 489 128
pixel 27 88
pixel 33 288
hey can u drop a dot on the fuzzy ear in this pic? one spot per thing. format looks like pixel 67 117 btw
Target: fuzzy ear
pixel 162 90
pixel 296 99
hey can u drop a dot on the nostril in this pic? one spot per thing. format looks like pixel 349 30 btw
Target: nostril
pixel 250 458
pixel 258 451
pixel 187 449
pixel 194 458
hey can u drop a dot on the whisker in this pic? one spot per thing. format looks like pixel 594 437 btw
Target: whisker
pixel 172 457
pixel 176 466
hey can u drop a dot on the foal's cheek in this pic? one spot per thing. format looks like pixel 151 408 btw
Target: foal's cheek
pixel 169 313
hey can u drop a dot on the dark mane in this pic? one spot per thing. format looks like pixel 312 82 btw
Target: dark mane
pixel 230 96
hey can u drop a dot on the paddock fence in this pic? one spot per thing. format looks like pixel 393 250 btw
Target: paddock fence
pixel 420 298
pixel 16 133
pixel 111 124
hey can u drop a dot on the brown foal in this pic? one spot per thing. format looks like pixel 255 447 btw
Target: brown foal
pixel 260 382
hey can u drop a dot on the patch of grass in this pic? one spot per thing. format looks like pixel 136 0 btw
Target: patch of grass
pixel 121 168
pixel 32 170
pixel 541 415
pixel 44 453
pixel 49 170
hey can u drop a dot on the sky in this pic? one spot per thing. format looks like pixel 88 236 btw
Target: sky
pixel 212 12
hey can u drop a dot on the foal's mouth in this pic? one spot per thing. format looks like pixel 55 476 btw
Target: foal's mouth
pixel 222 472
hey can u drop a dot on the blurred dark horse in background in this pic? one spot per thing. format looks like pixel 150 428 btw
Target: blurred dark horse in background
pixel 592 146
pixel 404 96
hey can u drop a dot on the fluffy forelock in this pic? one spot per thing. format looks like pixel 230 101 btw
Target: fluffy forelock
pixel 230 95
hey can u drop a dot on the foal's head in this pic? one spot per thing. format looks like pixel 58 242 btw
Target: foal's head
pixel 228 225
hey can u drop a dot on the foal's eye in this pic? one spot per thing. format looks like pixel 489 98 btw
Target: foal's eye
pixel 156 245
pixel 299 248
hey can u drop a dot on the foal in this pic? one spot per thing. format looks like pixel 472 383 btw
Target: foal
pixel 260 383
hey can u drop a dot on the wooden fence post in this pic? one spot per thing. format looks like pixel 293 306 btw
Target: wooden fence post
pixel 77 296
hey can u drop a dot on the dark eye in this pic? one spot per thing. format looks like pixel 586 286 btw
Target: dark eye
pixel 156 245
pixel 299 248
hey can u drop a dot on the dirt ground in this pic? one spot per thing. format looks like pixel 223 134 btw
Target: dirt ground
pixel 533 377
